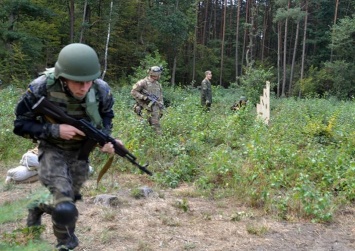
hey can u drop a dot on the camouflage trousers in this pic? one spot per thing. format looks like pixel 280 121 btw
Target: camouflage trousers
pixel 61 172
pixel 151 113
pixel 154 116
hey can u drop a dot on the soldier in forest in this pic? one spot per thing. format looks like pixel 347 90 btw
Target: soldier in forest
pixel 240 104
pixel 206 91
pixel 74 86
pixel 148 94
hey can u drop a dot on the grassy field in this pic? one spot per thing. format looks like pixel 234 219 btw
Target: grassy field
pixel 300 166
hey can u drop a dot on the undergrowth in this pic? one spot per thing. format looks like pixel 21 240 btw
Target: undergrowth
pixel 299 166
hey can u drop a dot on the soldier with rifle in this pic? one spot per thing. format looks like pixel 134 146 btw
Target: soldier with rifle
pixel 66 136
pixel 148 94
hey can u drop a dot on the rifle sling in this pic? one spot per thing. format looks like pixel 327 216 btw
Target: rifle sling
pixel 104 169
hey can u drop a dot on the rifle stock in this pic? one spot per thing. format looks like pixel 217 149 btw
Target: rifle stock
pixel 93 135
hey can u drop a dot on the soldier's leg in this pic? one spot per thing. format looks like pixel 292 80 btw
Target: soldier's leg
pixel 64 217
pixel 79 172
pixel 203 101
pixel 35 212
pixel 154 119
pixel 56 176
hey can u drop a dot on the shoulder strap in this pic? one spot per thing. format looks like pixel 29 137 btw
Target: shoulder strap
pixel 92 106
pixel 49 72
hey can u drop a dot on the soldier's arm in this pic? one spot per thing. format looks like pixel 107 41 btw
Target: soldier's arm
pixel 106 105
pixel 27 124
pixel 161 98
pixel 136 90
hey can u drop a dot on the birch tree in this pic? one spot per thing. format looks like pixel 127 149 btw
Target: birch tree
pixel 107 40
pixel 297 16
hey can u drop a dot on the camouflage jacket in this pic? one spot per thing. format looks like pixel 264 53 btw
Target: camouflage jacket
pixel 29 125
pixel 150 86
pixel 206 90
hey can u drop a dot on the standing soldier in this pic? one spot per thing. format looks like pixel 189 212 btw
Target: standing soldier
pixel 74 86
pixel 206 91
pixel 148 94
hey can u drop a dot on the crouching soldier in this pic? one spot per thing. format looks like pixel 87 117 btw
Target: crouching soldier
pixel 239 104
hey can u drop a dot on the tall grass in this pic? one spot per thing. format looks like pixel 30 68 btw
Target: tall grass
pixel 300 166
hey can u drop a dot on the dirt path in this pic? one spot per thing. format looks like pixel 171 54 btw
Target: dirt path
pixel 176 220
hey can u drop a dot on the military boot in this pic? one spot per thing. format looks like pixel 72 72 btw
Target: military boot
pixel 35 214
pixel 67 244
pixel 34 217
pixel 66 238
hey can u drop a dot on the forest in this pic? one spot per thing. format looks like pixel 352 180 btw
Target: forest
pixel 219 170
pixel 303 47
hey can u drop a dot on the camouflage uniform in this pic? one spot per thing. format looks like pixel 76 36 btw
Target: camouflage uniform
pixel 154 111
pixel 59 168
pixel 239 104
pixel 206 93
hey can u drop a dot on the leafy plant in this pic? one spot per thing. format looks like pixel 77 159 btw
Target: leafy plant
pixel 301 165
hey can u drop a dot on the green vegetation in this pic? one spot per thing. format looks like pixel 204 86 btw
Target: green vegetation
pixel 300 166
pixel 31 246
pixel 26 238
pixel 192 37
pixel 13 211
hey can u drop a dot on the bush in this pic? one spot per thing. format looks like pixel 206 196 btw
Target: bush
pixel 301 165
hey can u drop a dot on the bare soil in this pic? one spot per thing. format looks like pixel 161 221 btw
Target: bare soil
pixel 180 219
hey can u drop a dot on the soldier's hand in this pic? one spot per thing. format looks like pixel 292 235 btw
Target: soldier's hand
pixel 68 132
pixel 109 148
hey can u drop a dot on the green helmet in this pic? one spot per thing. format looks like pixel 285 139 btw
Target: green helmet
pixel 155 70
pixel 78 62
pixel 243 98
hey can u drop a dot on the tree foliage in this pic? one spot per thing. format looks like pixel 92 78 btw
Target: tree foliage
pixel 187 34
pixel 343 39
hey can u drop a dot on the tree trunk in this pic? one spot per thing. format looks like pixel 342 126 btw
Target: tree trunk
pixel 264 31
pixel 72 20
pixel 334 22
pixel 214 36
pixel 223 37
pixel 172 82
pixel 303 46
pixel 245 30
pixel 205 21
pixel 278 57
pixel 194 46
pixel 107 40
pixel 83 25
pixel 285 55
pixel 294 58
pixel 237 42
pixel 251 33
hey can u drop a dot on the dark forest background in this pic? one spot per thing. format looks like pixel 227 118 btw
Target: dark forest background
pixel 304 47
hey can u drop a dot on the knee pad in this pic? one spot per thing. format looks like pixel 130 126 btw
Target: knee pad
pixel 65 214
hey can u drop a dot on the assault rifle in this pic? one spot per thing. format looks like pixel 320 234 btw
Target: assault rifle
pixel 153 98
pixel 93 135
